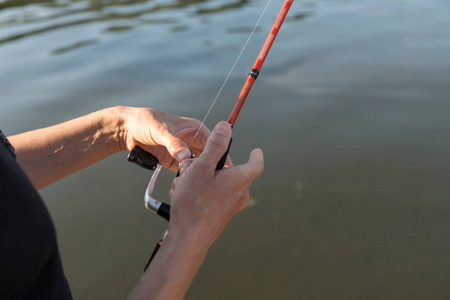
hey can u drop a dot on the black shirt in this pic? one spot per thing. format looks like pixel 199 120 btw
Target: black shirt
pixel 30 265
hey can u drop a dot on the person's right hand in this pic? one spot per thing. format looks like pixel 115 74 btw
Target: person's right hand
pixel 204 200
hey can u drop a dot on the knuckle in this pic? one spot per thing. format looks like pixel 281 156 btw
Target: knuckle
pixel 173 144
pixel 202 167
pixel 217 144
pixel 247 178
pixel 174 183
pixel 183 166
pixel 244 201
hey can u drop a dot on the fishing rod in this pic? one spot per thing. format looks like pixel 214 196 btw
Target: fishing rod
pixel 149 161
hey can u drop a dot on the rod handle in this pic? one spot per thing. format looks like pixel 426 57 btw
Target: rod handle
pixel 222 160
pixel 143 158
pixel 164 211
pixel 157 246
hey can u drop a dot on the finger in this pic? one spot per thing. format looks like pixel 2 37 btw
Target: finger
pixel 198 143
pixel 255 165
pixel 175 146
pixel 174 182
pixel 163 156
pixel 243 201
pixel 216 146
pixel 184 165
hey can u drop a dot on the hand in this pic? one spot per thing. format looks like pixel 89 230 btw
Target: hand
pixel 204 200
pixel 169 137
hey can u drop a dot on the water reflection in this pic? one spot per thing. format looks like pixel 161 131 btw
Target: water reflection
pixel 351 112
pixel 75 46
pixel 46 16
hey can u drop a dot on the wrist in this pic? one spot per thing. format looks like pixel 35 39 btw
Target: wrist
pixel 184 253
pixel 113 122
pixel 192 238
pixel 173 269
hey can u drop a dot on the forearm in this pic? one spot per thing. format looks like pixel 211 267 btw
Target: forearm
pixel 173 269
pixel 51 153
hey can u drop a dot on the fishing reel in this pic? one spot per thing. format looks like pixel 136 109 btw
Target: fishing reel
pixel 148 161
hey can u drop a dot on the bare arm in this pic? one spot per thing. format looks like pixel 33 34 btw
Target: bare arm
pixel 203 202
pixel 51 153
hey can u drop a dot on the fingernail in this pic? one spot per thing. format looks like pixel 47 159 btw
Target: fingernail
pixel 181 169
pixel 223 129
pixel 182 155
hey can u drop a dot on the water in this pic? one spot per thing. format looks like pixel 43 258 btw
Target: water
pixel 351 110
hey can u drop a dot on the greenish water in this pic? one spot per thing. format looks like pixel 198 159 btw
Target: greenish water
pixel 351 109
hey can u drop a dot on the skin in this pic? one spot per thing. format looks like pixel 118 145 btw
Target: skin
pixel 52 153
pixel 203 200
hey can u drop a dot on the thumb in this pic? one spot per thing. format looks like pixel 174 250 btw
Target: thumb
pixel 216 146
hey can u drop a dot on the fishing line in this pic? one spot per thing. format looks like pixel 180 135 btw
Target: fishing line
pixel 231 71
pixel 163 209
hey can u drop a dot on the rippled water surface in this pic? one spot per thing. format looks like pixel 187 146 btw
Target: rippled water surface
pixel 351 109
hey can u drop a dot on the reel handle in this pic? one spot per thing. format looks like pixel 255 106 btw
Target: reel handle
pixel 143 158
pixel 148 161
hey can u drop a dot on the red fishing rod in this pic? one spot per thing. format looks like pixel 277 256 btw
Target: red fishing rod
pixel 253 75
pixel 148 161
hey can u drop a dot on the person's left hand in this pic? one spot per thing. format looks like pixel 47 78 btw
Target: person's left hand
pixel 169 137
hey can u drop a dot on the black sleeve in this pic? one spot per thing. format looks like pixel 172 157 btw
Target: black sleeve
pixel 30 265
